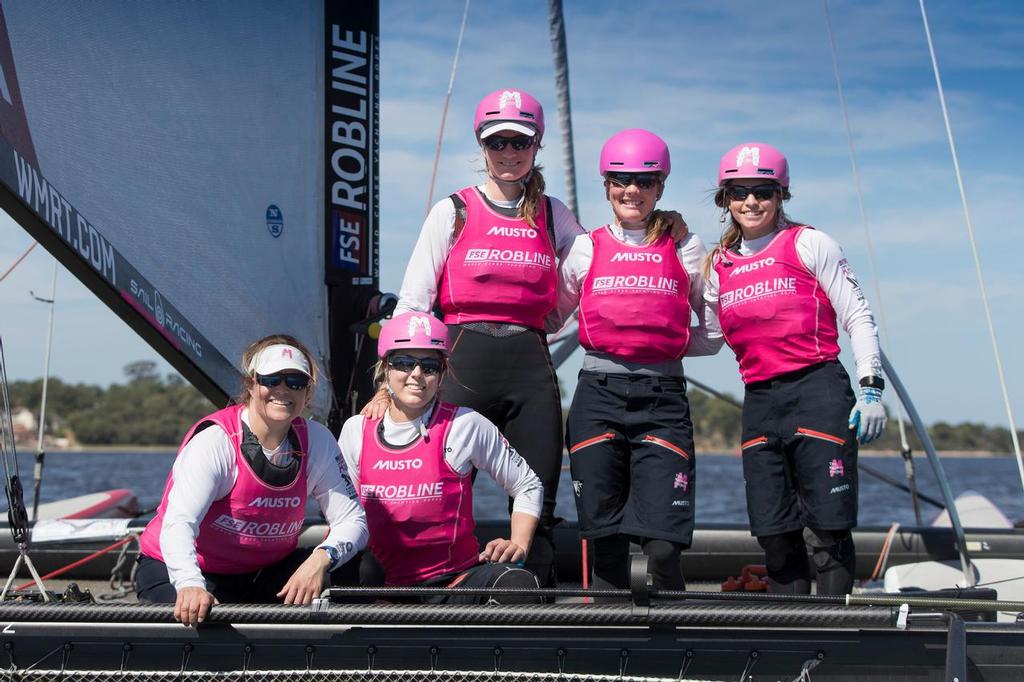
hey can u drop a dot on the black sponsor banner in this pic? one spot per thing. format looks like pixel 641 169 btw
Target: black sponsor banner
pixel 351 195
pixel 351 142
pixel 54 222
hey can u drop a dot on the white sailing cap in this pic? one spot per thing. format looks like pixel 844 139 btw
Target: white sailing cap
pixel 498 126
pixel 278 358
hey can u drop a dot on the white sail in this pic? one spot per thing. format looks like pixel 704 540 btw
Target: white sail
pixel 177 150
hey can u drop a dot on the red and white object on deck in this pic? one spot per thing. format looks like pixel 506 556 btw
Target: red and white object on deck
pixel 119 503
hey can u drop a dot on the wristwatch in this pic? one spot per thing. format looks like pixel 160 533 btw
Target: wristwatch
pixel 332 554
pixel 873 382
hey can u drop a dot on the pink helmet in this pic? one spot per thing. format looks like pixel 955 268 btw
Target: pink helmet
pixel 514 109
pixel 754 160
pixel 635 151
pixel 412 330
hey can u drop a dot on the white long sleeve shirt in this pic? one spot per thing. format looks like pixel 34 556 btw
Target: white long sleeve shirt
pixel 823 257
pixel 472 442
pixel 705 337
pixel 206 470
pixel 419 287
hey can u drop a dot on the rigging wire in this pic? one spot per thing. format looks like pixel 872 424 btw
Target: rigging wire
pixel 444 112
pixel 18 261
pixel 37 476
pixel 974 246
pixel 876 284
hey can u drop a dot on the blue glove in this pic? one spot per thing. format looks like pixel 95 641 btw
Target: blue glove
pixel 867 417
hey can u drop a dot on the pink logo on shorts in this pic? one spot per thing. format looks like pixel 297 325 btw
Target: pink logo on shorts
pixel 835 468
pixel 682 481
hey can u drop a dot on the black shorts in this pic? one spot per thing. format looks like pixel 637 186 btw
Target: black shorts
pixel 799 454
pixel 630 443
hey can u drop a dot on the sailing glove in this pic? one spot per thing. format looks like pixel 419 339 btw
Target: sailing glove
pixel 867 417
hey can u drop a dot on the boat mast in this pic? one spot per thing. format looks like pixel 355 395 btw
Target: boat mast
pixel 974 246
pixel 558 46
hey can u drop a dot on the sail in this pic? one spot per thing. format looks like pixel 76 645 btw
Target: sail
pixel 207 169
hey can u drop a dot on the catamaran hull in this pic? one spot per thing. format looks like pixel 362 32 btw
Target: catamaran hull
pixel 599 643
pixel 718 551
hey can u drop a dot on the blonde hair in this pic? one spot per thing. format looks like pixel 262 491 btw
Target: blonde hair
pixel 733 233
pixel 380 370
pixel 248 380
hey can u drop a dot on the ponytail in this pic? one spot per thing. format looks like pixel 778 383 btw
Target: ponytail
pixel 533 196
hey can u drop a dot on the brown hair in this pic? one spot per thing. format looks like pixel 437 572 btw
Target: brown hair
pixel 658 222
pixel 733 234
pixel 256 346
pixel 533 189
pixel 533 196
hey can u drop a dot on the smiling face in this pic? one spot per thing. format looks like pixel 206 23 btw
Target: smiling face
pixel 631 203
pixel 509 164
pixel 756 217
pixel 278 405
pixel 412 391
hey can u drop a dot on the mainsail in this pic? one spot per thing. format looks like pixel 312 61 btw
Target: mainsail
pixel 209 171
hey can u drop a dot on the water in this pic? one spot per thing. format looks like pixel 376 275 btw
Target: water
pixel 720 497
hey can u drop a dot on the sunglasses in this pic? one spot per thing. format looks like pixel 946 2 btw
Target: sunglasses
pixel 407 363
pixel 641 180
pixel 519 142
pixel 760 192
pixel 295 382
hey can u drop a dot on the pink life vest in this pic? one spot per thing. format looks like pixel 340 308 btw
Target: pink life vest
pixel 774 314
pixel 418 510
pixel 253 526
pixel 634 303
pixel 499 269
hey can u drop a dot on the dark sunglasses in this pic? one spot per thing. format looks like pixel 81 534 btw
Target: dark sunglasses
pixel 519 142
pixel 760 192
pixel 641 180
pixel 407 363
pixel 295 382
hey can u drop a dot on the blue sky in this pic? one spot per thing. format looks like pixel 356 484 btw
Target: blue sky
pixel 705 76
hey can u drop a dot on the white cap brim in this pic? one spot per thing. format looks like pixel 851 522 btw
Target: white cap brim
pixel 523 128
pixel 279 358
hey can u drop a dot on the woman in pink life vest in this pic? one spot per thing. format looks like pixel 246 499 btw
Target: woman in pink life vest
pixel 227 528
pixel 413 469
pixel 487 256
pixel 629 432
pixel 782 290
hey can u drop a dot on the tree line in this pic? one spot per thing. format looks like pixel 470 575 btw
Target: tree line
pixel 149 409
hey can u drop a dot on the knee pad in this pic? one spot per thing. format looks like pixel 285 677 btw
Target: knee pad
pixel 663 564
pixel 831 549
pixel 662 556
pixel 783 551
